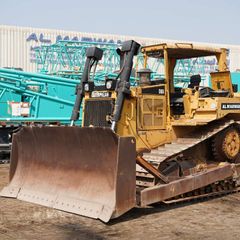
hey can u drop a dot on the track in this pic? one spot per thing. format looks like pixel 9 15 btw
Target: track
pixel 175 150
pixel 216 189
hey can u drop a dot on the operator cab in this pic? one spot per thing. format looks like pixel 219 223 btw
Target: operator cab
pixel 176 97
pixel 170 54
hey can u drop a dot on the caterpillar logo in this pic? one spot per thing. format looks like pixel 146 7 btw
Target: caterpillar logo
pixel 230 106
pixel 102 94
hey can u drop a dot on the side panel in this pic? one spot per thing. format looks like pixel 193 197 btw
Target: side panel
pixel 152 112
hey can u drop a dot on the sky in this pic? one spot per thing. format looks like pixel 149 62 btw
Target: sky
pixel 213 21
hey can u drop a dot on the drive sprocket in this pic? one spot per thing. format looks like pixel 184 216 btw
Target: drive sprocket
pixel 226 145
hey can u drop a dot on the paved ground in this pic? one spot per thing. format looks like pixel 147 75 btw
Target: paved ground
pixel 214 219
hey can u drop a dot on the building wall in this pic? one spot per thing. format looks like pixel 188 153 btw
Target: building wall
pixel 16 44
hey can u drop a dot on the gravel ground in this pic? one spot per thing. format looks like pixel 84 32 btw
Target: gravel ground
pixel 213 219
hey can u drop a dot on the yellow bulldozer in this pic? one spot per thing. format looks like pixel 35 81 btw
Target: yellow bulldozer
pixel 138 145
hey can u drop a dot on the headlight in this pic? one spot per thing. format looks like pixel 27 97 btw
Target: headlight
pixel 86 87
pixel 109 85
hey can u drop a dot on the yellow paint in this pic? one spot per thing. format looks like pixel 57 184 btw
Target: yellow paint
pixel 148 117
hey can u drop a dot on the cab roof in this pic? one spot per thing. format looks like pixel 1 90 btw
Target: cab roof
pixel 180 50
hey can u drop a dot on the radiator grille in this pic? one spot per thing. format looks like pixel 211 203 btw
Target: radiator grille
pixel 152 114
pixel 96 112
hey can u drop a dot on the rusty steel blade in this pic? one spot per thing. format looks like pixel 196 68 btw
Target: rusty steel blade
pixel 87 171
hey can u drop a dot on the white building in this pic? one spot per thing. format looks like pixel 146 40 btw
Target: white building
pixel 17 43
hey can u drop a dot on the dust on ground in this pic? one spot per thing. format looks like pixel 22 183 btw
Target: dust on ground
pixel 216 218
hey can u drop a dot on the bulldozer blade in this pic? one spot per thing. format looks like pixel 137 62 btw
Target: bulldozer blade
pixel 86 171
